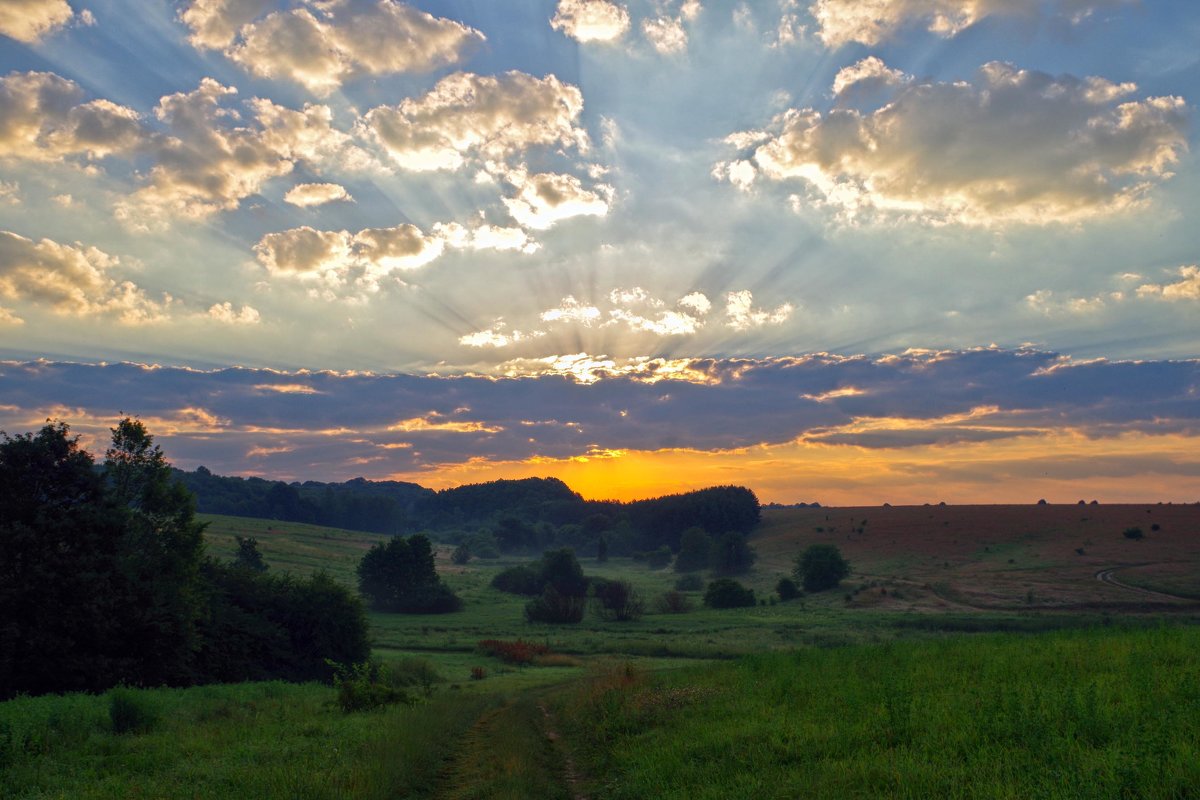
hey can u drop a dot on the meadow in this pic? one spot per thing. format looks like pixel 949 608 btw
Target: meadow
pixel 1073 688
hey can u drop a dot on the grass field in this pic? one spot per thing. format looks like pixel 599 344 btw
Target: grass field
pixel 1074 689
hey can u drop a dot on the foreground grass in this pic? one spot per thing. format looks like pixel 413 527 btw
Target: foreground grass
pixel 260 740
pixel 1083 714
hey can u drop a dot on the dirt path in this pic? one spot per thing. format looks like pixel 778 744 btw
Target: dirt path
pixel 570 774
pixel 1106 576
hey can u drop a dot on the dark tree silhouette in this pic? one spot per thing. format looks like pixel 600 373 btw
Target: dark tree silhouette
pixel 821 567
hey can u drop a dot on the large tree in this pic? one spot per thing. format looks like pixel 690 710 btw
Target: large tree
pixel 400 575
pixel 821 567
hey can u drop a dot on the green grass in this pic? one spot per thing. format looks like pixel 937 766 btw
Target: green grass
pixel 261 740
pixel 1080 714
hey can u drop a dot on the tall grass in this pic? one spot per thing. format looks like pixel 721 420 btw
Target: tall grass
pixel 260 740
pixel 1091 714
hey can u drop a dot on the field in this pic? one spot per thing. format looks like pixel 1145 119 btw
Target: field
pixel 1078 687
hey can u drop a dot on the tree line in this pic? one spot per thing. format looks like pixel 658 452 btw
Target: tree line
pixel 104 580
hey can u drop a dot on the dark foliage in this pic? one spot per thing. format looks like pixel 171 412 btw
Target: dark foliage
pixel 689 583
pixel 103 580
pixel 1134 533
pixel 787 589
pixel 731 555
pixel 820 567
pixel 695 549
pixel 617 601
pixel 248 555
pixel 461 555
pixel 517 652
pixel 523 579
pixel 728 593
pixel 400 576
pixel 555 608
pixel 716 510
pixel 673 603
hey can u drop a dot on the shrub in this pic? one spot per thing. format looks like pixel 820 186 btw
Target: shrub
pixel 690 583
pixel 556 608
pixel 521 579
pixel 1134 533
pixel 728 593
pixel 618 601
pixel 461 555
pixel 673 603
pixel 820 567
pixel 419 672
pixel 518 652
pixel 128 712
pixel 787 589
pixel 365 686
pixel 478 673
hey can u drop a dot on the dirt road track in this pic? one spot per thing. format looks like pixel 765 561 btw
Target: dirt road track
pixel 1106 576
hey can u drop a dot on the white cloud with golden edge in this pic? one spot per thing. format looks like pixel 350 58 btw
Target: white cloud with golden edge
pixel 29 21
pixel 226 314
pixel 42 118
pixel 870 22
pixel 591 20
pixel 307 195
pixel 321 45
pixel 1015 146
pixel 1186 288
pixel 665 34
pixel 741 315
pixel 71 279
pixel 468 116
pixel 342 257
pixel 545 199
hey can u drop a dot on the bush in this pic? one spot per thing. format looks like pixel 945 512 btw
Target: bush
pixel 731 555
pixel 689 583
pixel 461 555
pixel 518 652
pixel 1134 533
pixel 787 589
pixel 129 712
pixel 419 672
pixel 673 603
pixel 821 567
pixel 728 593
pixel 556 608
pixel 618 601
pixel 365 686
pixel 522 579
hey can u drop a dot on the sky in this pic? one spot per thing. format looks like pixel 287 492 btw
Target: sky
pixel 846 251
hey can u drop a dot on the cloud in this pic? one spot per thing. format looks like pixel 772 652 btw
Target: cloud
pixel 1187 288
pixel 741 314
pixel 870 72
pixel 545 199
pixel 497 335
pixel 71 279
pixel 29 21
pixel 321 45
pixel 214 23
pixel 42 119
pixel 8 317
pixel 10 193
pixel 467 116
pixel 1014 146
pixel 306 195
pixel 870 22
pixel 571 310
pixel 362 258
pixel 308 135
pixel 226 314
pixel 666 34
pixel 591 20
pixel 569 405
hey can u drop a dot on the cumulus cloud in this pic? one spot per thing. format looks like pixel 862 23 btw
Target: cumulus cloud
pixel 71 279
pixel 571 310
pixel 498 335
pixel 225 313
pixel 308 135
pixel 546 199
pixel 1013 146
pixel 29 20
pixel 870 22
pixel 321 45
pixel 340 257
pixel 1046 302
pixel 870 72
pixel 1186 288
pixel 591 20
pixel 741 314
pixel 43 118
pixel 306 195
pixel 489 117
pixel 665 34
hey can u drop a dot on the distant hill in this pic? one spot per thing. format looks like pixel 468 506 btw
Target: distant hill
pixel 521 514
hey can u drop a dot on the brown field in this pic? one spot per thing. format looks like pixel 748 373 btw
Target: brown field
pixel 1033 557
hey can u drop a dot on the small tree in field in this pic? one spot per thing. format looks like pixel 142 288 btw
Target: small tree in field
pixel 618 601
pixel 787 589
pixel 820 567
pixel 248 555
pixel 461 554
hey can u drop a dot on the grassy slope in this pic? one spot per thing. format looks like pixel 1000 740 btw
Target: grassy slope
pixel 1082 714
